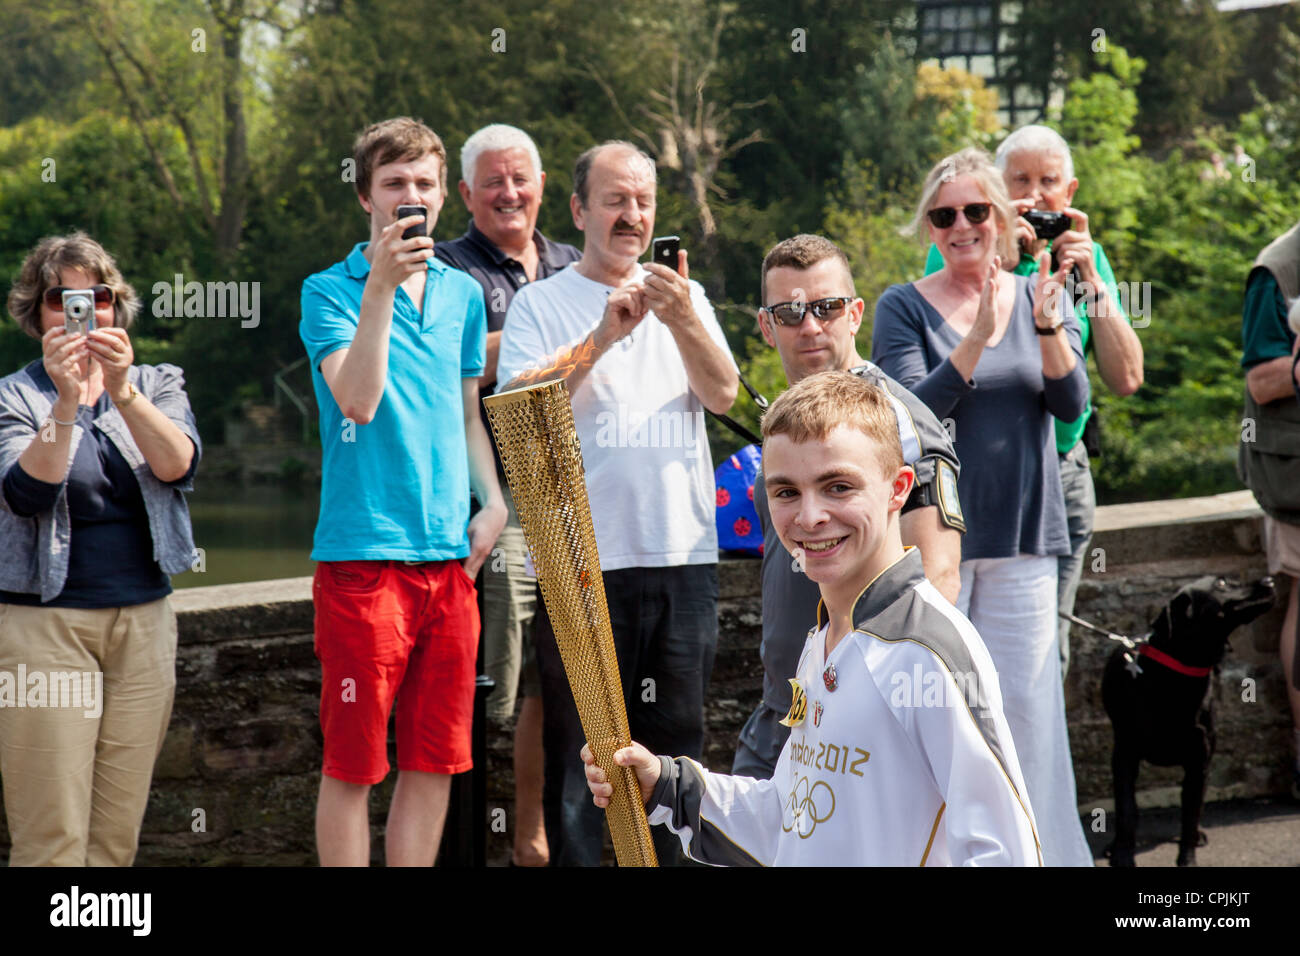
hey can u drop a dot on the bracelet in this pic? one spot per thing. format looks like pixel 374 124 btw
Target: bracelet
pixel 59 421
pixel 129 399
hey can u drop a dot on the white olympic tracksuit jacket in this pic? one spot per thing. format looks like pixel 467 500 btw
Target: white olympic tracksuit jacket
pixel 902 758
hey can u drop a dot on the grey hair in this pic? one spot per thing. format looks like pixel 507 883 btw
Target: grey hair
pixel 1035 139
pixel 490 139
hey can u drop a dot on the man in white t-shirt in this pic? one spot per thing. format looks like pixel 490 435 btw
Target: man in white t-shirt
pixel 899 753
pixel 643 356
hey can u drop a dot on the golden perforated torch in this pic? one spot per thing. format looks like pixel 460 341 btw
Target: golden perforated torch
pixel 538 441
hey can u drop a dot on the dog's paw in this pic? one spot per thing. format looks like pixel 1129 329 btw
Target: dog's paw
pixel 1202 838
pixel 1120 857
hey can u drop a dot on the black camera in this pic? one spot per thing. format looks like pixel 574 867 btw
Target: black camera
pixel 1047 225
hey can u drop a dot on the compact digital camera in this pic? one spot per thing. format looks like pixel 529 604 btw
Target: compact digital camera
pixel 1047 225
pixel 78 311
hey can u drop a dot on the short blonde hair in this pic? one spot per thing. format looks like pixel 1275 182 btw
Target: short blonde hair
pixel 40 271
pixel 812 408
pixel 973 162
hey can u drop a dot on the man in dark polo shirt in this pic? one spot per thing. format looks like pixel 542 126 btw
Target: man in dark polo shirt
pixel 810 315
pixel 501 184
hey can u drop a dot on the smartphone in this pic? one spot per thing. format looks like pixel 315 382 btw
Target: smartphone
pixel 664 251
pixel 419 228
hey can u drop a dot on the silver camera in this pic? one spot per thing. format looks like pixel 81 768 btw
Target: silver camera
pixel 78 311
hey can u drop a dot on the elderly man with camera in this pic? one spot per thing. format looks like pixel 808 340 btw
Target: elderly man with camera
pixel 1039 174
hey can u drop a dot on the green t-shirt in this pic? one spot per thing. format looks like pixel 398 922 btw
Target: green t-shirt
pixel 1067 433
pixel 1264 332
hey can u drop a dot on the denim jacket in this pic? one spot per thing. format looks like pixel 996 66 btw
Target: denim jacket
pixel 34 550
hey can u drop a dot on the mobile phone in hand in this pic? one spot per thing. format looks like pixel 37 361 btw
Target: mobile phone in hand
pixel 419 228
pixel 664 251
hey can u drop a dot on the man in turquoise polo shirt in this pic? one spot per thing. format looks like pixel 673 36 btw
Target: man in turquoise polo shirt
pixel 397 344
pixel 1039 173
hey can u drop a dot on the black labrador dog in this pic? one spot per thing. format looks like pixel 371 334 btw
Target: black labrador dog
pixel 1159 698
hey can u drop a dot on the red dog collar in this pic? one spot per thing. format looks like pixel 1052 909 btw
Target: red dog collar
pixel 1146 650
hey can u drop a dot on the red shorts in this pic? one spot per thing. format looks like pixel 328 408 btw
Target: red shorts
pixel 387 630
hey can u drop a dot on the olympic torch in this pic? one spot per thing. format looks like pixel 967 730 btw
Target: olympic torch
pixel 534 431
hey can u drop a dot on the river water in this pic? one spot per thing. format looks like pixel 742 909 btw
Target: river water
pixel 253 532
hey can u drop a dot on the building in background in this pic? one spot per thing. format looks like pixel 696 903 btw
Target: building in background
pixel 979 37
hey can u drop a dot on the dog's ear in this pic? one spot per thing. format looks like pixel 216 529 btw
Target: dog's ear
pixel 1179 606
pixel 1161 624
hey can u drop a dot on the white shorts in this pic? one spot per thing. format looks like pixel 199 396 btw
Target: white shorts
pixel 1282 545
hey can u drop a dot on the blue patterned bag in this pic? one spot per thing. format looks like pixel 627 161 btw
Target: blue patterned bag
pixel 738 525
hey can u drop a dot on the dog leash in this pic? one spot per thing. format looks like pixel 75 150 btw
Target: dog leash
pixel 1143 648
pixel 1130 645
pixel 1128 642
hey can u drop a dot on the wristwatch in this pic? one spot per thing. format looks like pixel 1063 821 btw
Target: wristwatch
pixel 1051 329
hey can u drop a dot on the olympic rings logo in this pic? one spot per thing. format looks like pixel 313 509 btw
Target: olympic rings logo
pixel 809 805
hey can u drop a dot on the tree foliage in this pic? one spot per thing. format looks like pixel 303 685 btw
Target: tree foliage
pixel 768 118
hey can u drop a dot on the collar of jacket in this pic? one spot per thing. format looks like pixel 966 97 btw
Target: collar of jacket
pixel 883 590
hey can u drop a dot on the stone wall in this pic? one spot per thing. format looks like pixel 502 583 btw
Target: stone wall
pixel 237 780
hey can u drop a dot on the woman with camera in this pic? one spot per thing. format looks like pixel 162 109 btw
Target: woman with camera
pixel 95 453
pixel 996 356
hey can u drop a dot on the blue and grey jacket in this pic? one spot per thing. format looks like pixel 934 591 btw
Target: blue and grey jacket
pixel 35 549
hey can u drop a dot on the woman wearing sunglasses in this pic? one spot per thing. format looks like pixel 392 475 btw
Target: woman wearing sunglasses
pixel 996 356
pixel 95 452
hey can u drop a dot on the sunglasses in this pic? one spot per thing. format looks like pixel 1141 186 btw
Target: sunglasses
pixel 944 216
pixel 792 313
pixel 103 296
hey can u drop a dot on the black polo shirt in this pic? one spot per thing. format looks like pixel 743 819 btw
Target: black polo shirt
pixel 501 276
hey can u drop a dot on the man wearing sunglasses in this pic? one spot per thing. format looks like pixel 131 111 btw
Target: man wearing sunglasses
pixel 810 315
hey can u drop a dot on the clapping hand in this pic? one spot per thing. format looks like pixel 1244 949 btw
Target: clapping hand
pixel 986 319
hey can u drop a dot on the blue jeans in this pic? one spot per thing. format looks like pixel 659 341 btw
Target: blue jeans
pixel 1080 508
pixel 665 623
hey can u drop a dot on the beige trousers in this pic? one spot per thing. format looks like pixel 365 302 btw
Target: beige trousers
pixel 85 699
